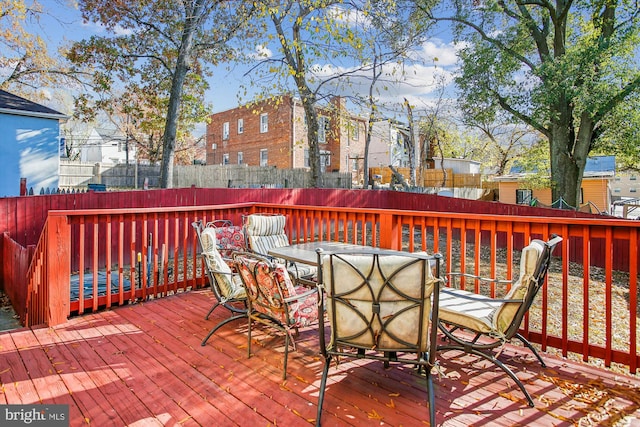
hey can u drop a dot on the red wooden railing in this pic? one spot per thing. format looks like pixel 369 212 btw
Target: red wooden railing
pixel 109 240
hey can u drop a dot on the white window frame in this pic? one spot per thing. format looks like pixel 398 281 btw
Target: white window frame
pixel 240 157
pixel 264 157
pixel 240 126
pixel 225 159
pixel 225 131
pixel 264 122
pixel 323 124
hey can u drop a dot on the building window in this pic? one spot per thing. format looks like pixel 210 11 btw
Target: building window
pixel 264 123
pixel 240 158
pixel 325 160
pixel 323 129
pixel 307 164
pixel 264 158
pixel 632 190
pixel 616 190
pixel 524 197
pixel 632 178
pixel 225 131
pixel 355 131
pixel 225 159
pixel 354 165
pixel 240 126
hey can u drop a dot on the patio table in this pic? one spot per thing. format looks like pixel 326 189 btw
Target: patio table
pixel 306 252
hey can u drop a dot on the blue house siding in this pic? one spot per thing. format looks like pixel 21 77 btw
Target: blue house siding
pixel 29 144
pixel 29 151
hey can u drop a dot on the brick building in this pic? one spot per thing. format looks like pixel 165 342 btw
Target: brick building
pixel 273 132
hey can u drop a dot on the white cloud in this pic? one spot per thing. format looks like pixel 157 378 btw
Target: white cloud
pixel 439 53
pixel 262 52
pixel 98 28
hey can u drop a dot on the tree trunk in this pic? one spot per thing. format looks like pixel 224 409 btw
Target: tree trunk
pixel 193 16
pixel 309 104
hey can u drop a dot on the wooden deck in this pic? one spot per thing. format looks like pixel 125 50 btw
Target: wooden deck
pixel 142 364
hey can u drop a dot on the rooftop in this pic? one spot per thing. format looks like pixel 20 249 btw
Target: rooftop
pixel 13 104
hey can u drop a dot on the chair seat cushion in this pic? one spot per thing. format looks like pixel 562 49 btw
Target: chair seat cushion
pixel 302 270
pixel 466 309
pixel 229 284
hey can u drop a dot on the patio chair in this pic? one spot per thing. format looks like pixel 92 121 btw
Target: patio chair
pixel 380 305
pixel 273 300
pixel 266 231
pixel 477 324
pixel 226 286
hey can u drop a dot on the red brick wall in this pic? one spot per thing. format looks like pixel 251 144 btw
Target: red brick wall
pixel 276 140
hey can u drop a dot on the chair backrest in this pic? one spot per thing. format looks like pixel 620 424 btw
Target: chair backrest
pixel 229 238
pixel 220 274
pixel 382 301
pixel 265 232
pixel 268 285
pixel 534 264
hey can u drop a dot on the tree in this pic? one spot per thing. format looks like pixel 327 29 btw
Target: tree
pixel 564 68
pixel 155 59
pixel 25 64
pixel 500 141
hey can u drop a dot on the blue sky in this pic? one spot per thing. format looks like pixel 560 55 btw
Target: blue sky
pixel 63 24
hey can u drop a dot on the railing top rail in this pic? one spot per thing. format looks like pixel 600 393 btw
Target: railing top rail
pixel 163 209
pixel 606 221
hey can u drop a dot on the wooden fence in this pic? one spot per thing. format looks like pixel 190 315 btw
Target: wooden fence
pixel 431 177
pixel 75 175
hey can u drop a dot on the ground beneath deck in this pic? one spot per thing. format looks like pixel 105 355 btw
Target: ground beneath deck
pixel 142 364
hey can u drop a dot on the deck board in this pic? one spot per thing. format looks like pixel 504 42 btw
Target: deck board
pixel 142 364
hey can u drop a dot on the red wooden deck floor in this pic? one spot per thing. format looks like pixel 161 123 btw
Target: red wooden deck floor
pixel 143 365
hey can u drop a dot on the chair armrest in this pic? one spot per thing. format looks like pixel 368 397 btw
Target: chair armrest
pixel 476 297
pixel 302 296
pixel 479 278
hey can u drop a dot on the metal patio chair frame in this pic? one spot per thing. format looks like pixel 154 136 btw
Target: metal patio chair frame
pixel 273 300
pixel 236 305
pixel 478 325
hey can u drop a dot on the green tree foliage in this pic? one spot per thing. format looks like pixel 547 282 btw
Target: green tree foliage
pixel 566 68
pixel 152 65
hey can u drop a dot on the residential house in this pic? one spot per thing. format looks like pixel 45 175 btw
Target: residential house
pixel 273 132
pixel 106 145
pixel 595 192
pixel 31 145
pixel 388 145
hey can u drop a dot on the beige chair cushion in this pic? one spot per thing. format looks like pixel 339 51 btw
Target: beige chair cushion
pixel 348 277
pixel 230 285
pixel 208 239
pixel 482 313
pixel 265 225
pixel 265 232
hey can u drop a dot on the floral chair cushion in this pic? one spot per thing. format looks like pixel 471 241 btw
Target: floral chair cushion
pixel 229 239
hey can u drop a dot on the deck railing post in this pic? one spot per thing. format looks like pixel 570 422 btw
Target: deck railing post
pixel 390 238
pixel 58 269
